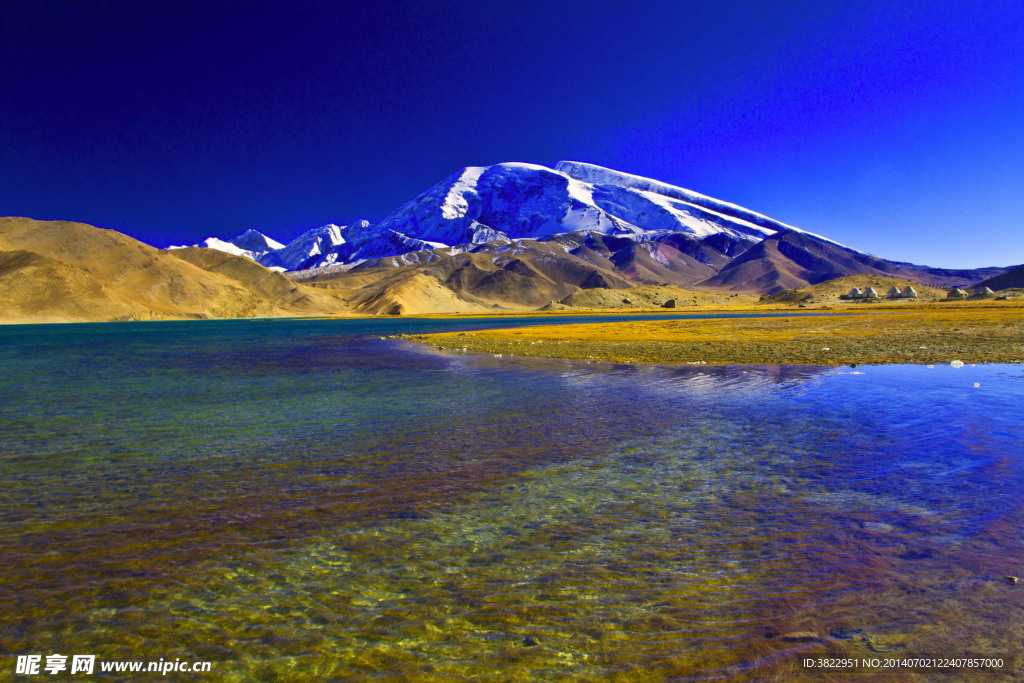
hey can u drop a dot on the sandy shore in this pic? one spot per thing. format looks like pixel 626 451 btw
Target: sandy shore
pixel 973 332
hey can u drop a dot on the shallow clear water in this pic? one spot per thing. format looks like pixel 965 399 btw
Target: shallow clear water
pixel 300 500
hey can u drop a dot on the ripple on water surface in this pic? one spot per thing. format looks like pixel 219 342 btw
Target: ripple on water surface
pixel 326 505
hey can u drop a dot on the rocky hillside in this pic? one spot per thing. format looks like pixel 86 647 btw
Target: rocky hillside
pixel 834 291
pixel 57 271
pixel 1011 279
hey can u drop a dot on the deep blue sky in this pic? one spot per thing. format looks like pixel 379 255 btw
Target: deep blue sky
pixel 893 127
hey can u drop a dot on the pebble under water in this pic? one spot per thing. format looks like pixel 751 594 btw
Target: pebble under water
pixel 302 500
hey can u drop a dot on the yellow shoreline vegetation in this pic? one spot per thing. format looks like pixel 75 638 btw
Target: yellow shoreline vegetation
pixel 974 332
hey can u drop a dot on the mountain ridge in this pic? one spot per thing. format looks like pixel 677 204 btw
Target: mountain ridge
pixel 662 233
pixel 480 204
pixel 509 236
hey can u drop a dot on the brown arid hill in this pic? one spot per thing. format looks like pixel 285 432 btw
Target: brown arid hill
pixel 1011 279
pixel 266 284
pixel 521 274
pixel 412 293
pixel 590 270
pixel 790 260
pixel 60 271
pixel 526 277
pixel 63 271
pixel 649 296
pixel 831 291
pixel 674 260
pixel 577 270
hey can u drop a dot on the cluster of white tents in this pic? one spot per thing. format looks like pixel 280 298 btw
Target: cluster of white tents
pixel 958 293
pixel 907 292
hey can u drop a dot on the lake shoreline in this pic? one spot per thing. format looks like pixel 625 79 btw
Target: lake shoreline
pixel 972 332
pixel 850 333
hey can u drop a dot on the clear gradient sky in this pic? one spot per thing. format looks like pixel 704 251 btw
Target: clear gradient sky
pixel 893 127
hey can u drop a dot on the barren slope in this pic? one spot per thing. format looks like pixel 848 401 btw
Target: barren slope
pixel 63 271
pixel 831 291
pixel 1011 279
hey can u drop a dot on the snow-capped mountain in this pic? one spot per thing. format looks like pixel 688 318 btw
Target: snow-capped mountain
pixel 256 242
pixel 511 201
pixel 313 246
pixel 578 223
pixel 251 244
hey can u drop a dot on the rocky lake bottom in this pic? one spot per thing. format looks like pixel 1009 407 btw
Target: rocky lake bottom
pixel 304 500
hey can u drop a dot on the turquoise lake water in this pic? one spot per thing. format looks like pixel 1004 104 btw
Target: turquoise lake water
pixel 302 500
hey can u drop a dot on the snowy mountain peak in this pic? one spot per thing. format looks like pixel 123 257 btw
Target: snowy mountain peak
pixel 528 201
pixel 251 244
pixel 513 201
pixel 255 241
pixel 314 246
